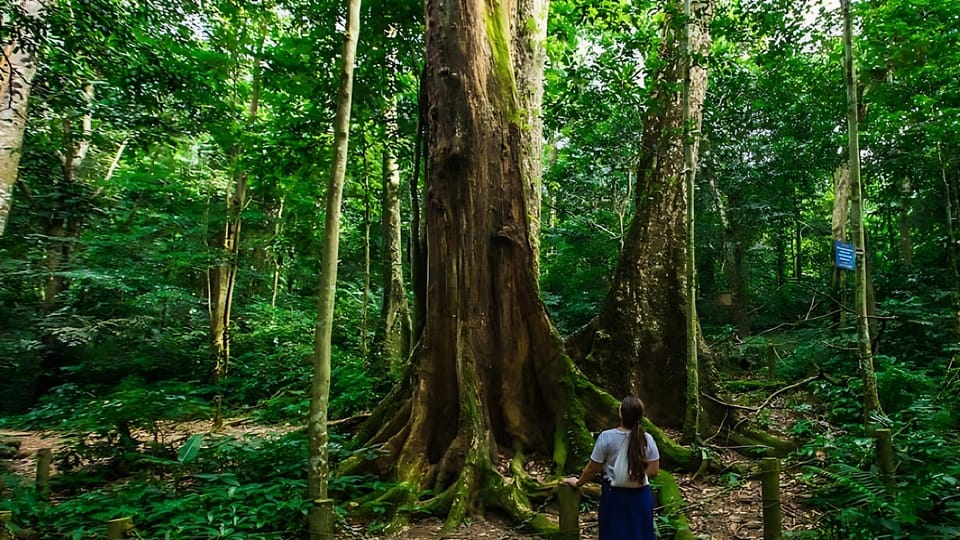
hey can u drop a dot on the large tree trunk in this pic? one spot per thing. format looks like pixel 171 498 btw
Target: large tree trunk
pixel 491 371
pixel 18 65
pixel 639 345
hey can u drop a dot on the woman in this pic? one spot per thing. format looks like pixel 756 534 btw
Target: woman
pixel 626 513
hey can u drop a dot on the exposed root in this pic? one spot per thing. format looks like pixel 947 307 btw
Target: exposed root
pixel 671 501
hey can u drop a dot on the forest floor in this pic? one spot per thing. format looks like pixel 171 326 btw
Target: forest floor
pixel 718 507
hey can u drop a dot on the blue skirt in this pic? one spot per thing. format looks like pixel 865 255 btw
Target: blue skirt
pixel 626 513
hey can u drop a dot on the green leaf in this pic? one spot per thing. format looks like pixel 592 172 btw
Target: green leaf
pixel 190 449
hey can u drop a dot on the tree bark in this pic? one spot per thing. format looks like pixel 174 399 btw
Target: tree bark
pixel 840 217
pixel 871 400
pixel 318 464
pixel 734 258
pixel 490 371
pixel 639 345
pixel 18 65
pixel 691 138
pixel 222 278
pixel 395 325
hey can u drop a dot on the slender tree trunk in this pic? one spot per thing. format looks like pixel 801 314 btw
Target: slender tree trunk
pixel 395 326
pixel 840 217
pixel 222 278
pixel 640 343
pixel 780 245
pixel 691 138
pixel 277 264
pixel 903 227
pixel 18 65
pixel 797 237
pixel 953 246
pixel 319 515
pixel 62 232
pixel 63 227
pixel 951 217
pixel 367 225
pixel 418 243
pixel 734 259
pixel 871 400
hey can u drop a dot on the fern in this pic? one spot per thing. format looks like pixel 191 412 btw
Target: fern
pixel 850 486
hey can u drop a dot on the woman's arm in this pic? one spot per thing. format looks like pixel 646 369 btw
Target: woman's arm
pixel 588 473
pixel 653 468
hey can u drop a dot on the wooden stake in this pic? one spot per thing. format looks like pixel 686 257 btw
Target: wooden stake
pixel 885 463
pixel 322 519
pixel 770 494
pixel 217 414
pixel 44 457
pixel 119 528
pixel 569 499
pixel 6 516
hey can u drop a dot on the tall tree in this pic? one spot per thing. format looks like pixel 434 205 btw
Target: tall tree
pixel 871 399
pixel 638 344
pixel 490 370
pixel 222 277
pixel 320 513
pixel 18 65
pixel 691 136
pixel 396 327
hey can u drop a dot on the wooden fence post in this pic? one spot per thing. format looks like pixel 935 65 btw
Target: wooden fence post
pixel 568 498
pixel 44 457
pixel 217 424
pixel 119 528
pixel 885 464
pixel 770 495
pixel 6 516
pixel 324 511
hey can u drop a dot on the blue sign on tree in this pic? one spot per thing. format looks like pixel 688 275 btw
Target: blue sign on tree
pixel 845 255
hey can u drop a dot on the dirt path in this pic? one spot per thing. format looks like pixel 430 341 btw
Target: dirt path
pixel 721 507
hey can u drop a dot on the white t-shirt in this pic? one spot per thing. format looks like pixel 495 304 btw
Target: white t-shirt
pixel 608 444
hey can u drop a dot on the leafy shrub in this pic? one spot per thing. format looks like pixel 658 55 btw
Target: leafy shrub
pixel 921 499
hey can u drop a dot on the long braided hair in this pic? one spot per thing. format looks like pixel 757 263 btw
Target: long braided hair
pixel 631 415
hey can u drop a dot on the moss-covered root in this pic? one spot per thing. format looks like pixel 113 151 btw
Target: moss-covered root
pixel 499 492
pixel 400 496
pixel 751 438
pixel 597 402
pixel 671 504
